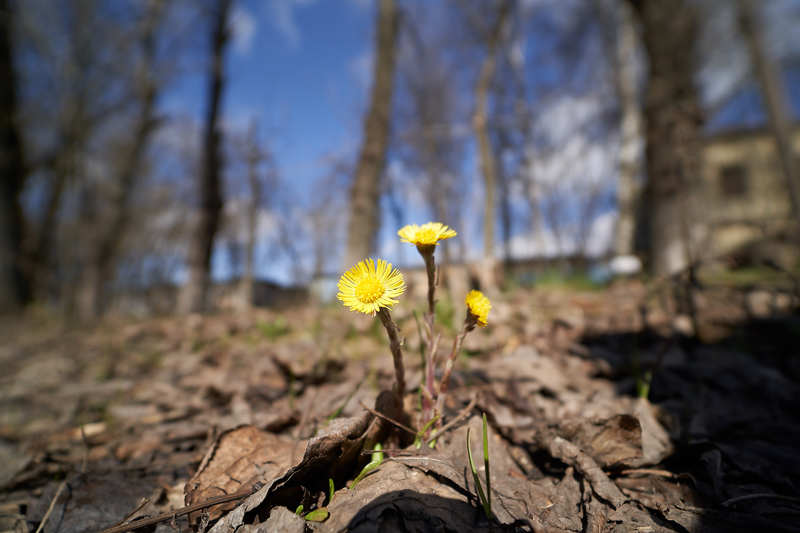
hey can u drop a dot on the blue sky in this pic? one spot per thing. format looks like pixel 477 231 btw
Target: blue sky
pixel 301 68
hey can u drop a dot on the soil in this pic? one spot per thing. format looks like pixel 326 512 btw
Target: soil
pixel 232 421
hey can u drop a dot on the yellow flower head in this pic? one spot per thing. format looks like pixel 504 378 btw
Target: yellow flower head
pixel 478 306
pixel 425 235
pixel 366 288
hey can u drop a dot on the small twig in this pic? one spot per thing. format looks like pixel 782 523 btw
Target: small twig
pixel 51 507
pixel 388 419
pixel 171 515
pixel 448 366
pixel 429 387
pixel 657 472
pixel 128 516
pixel 565 451
pixel 760 495
pixel 401 458
pixel 431 365
pixel 648 471
pixel 460 416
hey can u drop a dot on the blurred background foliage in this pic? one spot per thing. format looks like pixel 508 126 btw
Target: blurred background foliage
pixel 171 156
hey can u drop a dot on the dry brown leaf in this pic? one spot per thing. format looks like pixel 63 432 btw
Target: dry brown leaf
pixel 236 461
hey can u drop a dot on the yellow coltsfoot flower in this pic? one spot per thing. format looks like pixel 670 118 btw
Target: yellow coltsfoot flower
pixel 478 307
pixel 368 287
pixel 425 235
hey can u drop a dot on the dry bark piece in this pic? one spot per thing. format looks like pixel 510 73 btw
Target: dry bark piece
pixel 612 443
pixel 399 498
pixel 656 442
pixel 720 392
pixel 431 491
pixel 330 455
pixel 236 461
pixel 567 452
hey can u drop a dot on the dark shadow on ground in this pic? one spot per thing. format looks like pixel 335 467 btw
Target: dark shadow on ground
pixel 408 510
pixel 735 410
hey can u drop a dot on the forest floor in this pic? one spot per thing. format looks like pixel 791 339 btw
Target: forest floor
pixel 122 422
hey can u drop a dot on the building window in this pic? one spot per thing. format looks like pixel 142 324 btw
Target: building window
pixel 733 181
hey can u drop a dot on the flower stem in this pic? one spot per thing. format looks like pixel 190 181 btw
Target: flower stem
pixel 430 267
pixel 448 366
pixel 429 387
pixel 397 352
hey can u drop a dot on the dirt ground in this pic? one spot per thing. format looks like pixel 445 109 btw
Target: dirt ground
pixel 230 422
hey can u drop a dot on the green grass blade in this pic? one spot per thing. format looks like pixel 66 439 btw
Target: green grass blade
pixel 476 479
pixel 377 459
pixel 317 515
pixel 486 463
pixel 421 432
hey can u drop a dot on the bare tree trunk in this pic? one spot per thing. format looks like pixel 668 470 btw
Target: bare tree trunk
pixel 525 126
pixel 195 293
pixel 15 290
pixel 365 193
pixel 486 156
pixel 505 197
pixel 434 149
pixel 769 78
pixel 673 132
pixel 630 160
pixel 74 130
pixel 105 258
pixel 254 158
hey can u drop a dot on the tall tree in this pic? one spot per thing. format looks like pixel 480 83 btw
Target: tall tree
pixel 430 144
pixel 14 288
pixel 778 110
pixel 101 270
pixel 630 125
pixel 364 220
pixel 195 292
pixel 492 38
pixel 673 131
pixel 79 74
pixel 254 155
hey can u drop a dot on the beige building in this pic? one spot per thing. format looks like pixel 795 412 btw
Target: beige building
pixel 745 195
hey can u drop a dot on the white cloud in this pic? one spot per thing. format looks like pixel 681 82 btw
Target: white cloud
pixel 562 116
pixel 283 18
pixel 572 171
pixel 601 234
pixel 243 26
pixel 544 243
